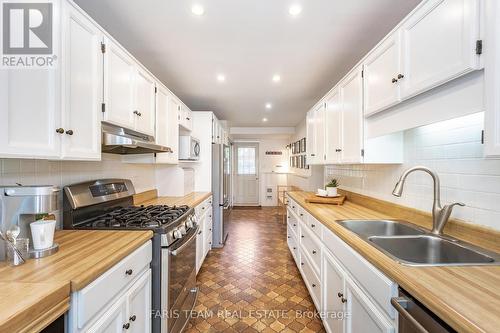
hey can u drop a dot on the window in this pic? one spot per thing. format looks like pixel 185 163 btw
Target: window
pixel 246 160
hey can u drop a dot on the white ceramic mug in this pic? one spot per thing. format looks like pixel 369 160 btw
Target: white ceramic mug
pixel 42 232
pixel 332 191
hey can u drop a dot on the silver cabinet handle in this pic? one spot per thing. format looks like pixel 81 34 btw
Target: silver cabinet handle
pixel 400 304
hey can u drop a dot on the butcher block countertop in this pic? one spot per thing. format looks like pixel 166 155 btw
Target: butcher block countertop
pixel 36 293
pixel 151 198
pixel 467 297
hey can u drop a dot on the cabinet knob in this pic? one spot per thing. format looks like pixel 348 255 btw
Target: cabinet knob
pixel 188 119
pixel 338 150
pixel 69 132
pixel 343 300
pixel 313 285
pixel 313 225
pixel 301 264
pixel 60 130
pixel 314 252
pixel 400 76
pixel 302 236
pixel 340 295
pixel 313 155
pixel 137 113
pixel 295 248
pixel 394 80
pixel 126 326
pixel 129 272
pixel 294 225
pixel 133 318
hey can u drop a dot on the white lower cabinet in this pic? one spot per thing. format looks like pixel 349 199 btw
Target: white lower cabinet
pixel 352 295
pixel 204 236
pixel 120 299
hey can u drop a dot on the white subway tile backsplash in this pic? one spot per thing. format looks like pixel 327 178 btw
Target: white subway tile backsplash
pixel 453 148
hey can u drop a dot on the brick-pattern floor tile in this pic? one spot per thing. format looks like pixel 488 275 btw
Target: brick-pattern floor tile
pixel 253 284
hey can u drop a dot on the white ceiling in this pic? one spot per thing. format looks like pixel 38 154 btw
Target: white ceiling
pixel 249 41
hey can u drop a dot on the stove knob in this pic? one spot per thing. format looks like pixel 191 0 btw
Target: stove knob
pixel 177 234
pixel 189 223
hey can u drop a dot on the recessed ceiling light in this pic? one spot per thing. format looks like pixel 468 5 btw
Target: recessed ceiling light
pixel 269 106
pixel 264 119
pixel 197 10
pixel 221 78
pixel 276 78
pixel 295 10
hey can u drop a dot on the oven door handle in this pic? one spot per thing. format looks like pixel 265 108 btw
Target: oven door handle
pixel 400 304
pixel 186 243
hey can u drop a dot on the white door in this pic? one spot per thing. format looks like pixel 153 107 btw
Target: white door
pixel 113 320
pixel 30 113
pixel 363 315
pixel 439 42
pixel 119 91
pixel 333 294
pixel 139 305
pixel 82 87
pixel 145 102
pixel 333 129
pixel 167 126
pixel 381 69
pixel 247 174
pixel 351 92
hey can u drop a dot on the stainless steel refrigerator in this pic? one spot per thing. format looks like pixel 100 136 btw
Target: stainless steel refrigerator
pixel 221 190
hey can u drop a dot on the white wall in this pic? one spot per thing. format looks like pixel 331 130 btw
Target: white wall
pixel 452 148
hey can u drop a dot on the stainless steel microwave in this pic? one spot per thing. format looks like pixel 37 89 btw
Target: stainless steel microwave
pixel 189 148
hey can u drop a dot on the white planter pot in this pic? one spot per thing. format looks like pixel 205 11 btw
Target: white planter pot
pixel 331 191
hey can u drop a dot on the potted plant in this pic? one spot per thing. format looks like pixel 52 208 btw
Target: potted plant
pixel 331 187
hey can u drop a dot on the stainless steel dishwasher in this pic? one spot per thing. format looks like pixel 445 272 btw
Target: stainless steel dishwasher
pixel 415 317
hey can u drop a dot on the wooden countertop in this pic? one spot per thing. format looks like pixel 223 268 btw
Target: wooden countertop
pixel 40 288
pixel 193 199
pixel 467 297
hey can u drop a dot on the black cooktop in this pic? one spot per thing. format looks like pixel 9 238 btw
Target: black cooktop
pixel 133 217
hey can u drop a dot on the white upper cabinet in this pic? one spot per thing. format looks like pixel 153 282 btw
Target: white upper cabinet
pixel 381 69
pixel 351 92
pixel 185 118
pixel 30 113
pixel 167 128
pixel 82 88
pixel 438 44
pixel 315 134
pixel 145 102
pixel 333 128
pixel 119 90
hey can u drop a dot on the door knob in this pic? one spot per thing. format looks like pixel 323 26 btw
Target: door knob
pixel 60 130
pixel 69 132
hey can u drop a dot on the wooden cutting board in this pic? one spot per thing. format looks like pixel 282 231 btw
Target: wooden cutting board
pixel 323 200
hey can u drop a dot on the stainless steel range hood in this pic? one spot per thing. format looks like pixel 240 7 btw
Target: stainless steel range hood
pixel 123 141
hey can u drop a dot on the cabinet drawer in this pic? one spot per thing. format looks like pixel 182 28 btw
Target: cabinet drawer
pixel 311 279
pixel 292 221
pixel 301 213
pixel 311 246
pixel 314 225
pixel 293 205
pixel 96 295
pixel 376 284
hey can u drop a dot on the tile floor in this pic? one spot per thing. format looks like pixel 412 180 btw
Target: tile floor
pixel 253 284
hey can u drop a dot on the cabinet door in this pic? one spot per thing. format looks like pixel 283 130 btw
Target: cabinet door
pixel 363 315
pixel 113 320
pixel 167 125
pixel 145 102
pixel 82 86
pixel 139 305
pixel 319 131
pixel 200 243
pixel 381 69
pixel 29 113
pixel 439 42
pixel 351 92
pixel 333 129
pixel 119 92
pixel 333 293
pixel 311 137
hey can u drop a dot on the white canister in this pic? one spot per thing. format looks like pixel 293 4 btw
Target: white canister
pixel 42 232
pixel 331 191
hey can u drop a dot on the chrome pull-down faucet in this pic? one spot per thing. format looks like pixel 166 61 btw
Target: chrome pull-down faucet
pixel 440 215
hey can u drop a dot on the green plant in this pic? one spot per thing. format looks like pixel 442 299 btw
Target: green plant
pixel 333 183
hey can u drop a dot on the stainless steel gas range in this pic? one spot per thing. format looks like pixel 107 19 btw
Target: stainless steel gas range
pixel 108 204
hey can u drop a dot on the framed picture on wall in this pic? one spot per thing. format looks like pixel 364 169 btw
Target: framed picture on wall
pixel 303 145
